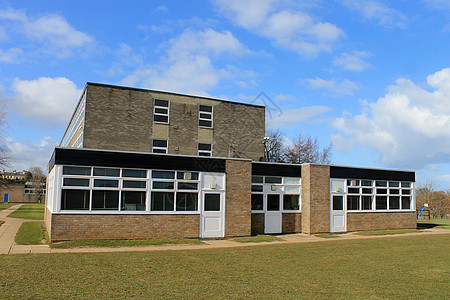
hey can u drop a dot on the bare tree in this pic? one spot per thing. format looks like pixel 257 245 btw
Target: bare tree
pixel 305 149
pixel 273 146
pixel 438 201
pixel 38 179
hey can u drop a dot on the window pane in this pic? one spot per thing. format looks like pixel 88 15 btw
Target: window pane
pixel 291 202
pixel 406 184
pixel 106 183
pixel 381 202
pixel 74 200
pixel 202 146
pixel 134 184
pixel 353 182
pixel 187 175
pixel 381 183
pixel 257 201
pixel 257 188
pixel 159 143
pixel 406 202
pixel 367 191
pixel 132 200
pixel 105 200
pixel 207 108
pixel 338 202
pixel 406 192
pixel 294 189
pixel 273 202
pixel 394 184
pixel 187 202
pixel 291 180
pixel 76 182
pixel 106 172
pixel 163 174
pixel 163 111
pixel 205 116
pixel 212 202
pixel 204 153
pixel 159 151
pixel 257 179
pixel 381 191
pixel 353 202
pixel 187 185
pixel 394 202
pixel 86 171
pixel 159 118
pixel 204 123
pixel 160 102
pixel 134 173
pixel 273 179
pixel 163 185
pixel 353 190
pixel 366 202
pixel 162 201
pixel 394 191
pixel 366 182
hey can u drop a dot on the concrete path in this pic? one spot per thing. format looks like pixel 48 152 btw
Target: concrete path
pixel 8 229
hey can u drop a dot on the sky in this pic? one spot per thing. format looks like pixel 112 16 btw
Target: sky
pixel 370 76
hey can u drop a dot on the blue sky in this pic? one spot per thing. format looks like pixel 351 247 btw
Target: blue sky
pixel 370 76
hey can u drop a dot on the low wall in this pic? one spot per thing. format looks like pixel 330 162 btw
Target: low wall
pixel 379 221
pixel 105 226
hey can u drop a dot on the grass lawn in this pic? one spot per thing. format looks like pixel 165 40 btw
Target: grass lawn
pixel 29 211
pixel 123 243
pixel 30 233
pixel 256 239
pixel 412 267
pixel 4 206
pixel 1 222
pixel 387 232
pixel 439 223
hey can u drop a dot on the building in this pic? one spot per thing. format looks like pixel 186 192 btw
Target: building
pixel 14 188
pixel 107 181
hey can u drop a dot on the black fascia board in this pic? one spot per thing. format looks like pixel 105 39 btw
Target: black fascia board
pixel 120 159
pixel 275 169
pixel 375 174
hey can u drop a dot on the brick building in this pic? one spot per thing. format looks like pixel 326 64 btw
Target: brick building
pixel 136 164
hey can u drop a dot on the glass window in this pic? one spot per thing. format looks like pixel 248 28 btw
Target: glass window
pixel 212 202
pixel 381 183
pixel 394 192
pixel 272 179
pixel 381 191
pixel 75 182
pixel 163 185
pixel 133 200
pixel 291 180
pixel 134 184
pixel 338 202
pixel 294 189
pixel 162 201
pixel 205 116
pixel 291 202
pixel 406 184
pixel 406 202
pixel 106 172
pixel 394 202
pixel 204 149
pixel 75 199
pixel 105 200
pixel 85 171
pixel 366 191
pixel 353 182
pixel 106 183
pixel 257 201
pixel 187 202
pixel 257 179
pixel 161 111
pixel 353 202
pixel 134 173
pixel 406 192
pixel 205 108
pixel 273 202
pixel 187 175
pixel 381 202
pixel 163 174
pixel 394 184
pixel 366 202
pixel 187 185
pixel 257 188
pixel 366 182
pixel 353 190
pixel 159 146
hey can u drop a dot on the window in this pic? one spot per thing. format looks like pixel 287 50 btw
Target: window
pixel 162 201
pixel 84 171
pixel 338 203
pixel 273 180
pixel 273 202
pixel 366 202
pixel 205 116
pixel 381 202
pixel 163 185
pixel 187 202
pixel 133 200
pixel 105 200
pixel 204 149
pixel 106 172
pixel 394 202
pixel 291 202
pixel 257 201
pixel 75 199
pixel 75 182
pixel 187 175
pixel 106 183
pixel 161 111
pixel 406 202
pixel 134 184
pixel 134 173
pixel 353 202
pixel 212 202
pixel 159 146
pixel 163 174
pixel 272 193
pixel 187 186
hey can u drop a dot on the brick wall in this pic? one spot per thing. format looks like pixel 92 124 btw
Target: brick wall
pixel 380 221
pixel 315 198
pixel 238 198
pixel 15 192
pixel 257 223
pixel 92 226
pixel 292 222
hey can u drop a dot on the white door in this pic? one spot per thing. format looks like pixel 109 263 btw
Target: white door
pixel 212 220
pixel 337 214
pixel 273 216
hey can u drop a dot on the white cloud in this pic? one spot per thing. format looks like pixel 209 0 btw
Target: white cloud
pixel 353 62
pixel 28 154
pixel 409 127
pixel 287 28
pixel 11 55
pixel 335 87
pixel 376 11
pixel 290 118
pixel 47 100
pixel 54 33
pixel 188 65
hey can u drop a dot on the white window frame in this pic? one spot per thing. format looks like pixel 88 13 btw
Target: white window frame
pixel 167 114
pixel 209 113
pixel 208 152
pixel 165 149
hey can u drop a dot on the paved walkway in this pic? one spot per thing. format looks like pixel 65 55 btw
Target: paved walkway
pixel 9 229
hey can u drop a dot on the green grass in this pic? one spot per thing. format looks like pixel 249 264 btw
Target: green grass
pixel 123 243
pixel 4 206
pixel 1 222
pixel 260 238
pixel 438 223
pixel 29 211
pixel 386 232
pixel 30 233
pixel 327 236
pixel 402 267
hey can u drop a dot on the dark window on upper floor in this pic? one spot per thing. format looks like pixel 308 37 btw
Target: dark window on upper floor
pixel 161 111
pixel 159 146
pixel 205 116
